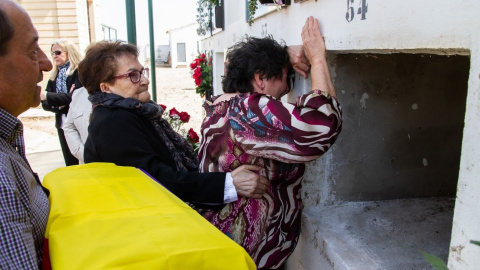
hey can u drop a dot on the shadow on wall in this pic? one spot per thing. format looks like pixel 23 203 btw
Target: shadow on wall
pixel 403 125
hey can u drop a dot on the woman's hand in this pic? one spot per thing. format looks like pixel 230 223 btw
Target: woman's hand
pixel 315 51
pixel 298 60
pixel 248 183
pixel 313 43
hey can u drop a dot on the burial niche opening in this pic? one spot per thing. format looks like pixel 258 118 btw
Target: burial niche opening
pixel 403 125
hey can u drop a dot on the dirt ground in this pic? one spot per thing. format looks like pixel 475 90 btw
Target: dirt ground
pixel 45 124
pixel 175 89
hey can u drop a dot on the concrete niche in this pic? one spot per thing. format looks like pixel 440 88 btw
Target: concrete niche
pixel 387 187
pixel 404 118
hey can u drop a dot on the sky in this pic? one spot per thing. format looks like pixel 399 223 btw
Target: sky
pixel 167 14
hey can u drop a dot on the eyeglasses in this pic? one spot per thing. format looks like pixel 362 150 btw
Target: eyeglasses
pixel 135 75
pixel 56 53
pixel 291 78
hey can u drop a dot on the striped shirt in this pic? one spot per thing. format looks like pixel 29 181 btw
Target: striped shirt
pixel 24 204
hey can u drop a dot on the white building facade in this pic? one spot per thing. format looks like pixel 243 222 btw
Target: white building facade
pixel 184 43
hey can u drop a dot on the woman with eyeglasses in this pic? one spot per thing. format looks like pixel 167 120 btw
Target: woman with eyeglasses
pixel 249 124
pixel 60 87
pixel 127 129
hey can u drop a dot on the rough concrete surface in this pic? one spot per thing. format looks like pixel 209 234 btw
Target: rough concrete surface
pixel 375 235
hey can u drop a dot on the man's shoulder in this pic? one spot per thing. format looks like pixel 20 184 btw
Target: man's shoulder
pixel 8 157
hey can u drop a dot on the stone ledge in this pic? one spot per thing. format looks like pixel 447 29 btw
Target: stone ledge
pixel 374 235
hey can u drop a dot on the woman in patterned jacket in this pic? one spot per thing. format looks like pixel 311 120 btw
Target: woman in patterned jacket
pixel 250 125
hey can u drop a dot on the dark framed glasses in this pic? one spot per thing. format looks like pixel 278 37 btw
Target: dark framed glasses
pixel 135 75
pixel 56 53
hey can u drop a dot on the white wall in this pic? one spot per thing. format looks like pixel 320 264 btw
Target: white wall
pixel 188 35
pixel 438 27
pixel 392 26
pixel 219 59
pixel 466 220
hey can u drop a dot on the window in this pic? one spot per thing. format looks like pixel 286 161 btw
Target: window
pixel 109 33
pixel 181 53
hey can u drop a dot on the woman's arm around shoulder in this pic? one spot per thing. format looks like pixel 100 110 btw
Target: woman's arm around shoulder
pixel 126 139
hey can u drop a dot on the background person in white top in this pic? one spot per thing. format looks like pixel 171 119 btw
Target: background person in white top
pixel 76 123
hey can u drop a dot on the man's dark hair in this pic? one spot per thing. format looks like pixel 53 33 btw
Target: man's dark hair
pixel 252 55
pixel 100 63
pixel 6 30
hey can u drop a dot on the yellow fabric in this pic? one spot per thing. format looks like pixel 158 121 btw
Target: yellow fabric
pixel 104 216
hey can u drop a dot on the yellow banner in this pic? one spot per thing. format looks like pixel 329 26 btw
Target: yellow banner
pixel 104 216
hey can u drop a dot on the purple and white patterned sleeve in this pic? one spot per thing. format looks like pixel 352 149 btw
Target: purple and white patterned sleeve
pixel 287 132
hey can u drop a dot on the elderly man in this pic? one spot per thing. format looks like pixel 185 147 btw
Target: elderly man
pixel 23 201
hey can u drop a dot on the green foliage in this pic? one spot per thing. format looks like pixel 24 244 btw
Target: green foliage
pixel 436 262
pixel 204 8
pixel 252 8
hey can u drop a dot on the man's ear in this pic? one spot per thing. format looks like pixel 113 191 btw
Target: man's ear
pixel 258 81
pixel 105 87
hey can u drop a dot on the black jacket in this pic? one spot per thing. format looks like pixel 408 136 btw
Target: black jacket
pixel 122 137
pixel 55 101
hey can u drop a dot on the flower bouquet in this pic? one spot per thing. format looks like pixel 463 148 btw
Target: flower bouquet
pixel 176 119
pixel 202 74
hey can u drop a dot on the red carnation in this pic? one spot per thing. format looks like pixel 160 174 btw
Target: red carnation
pixel 197 73
pixel 173 112
pixel 184 117
pixel 163 106
pixel 193 65
pixel 202 73
pixel 198 81
pixel 192 136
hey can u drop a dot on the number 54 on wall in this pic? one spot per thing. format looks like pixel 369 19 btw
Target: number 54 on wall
pixel 362 9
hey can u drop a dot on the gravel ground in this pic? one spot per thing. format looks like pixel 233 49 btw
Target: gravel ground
pixel 45 124
pixel 175 89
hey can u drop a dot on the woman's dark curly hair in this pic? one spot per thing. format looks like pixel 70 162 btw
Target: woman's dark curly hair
pixel 101 63
pixel 252 55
